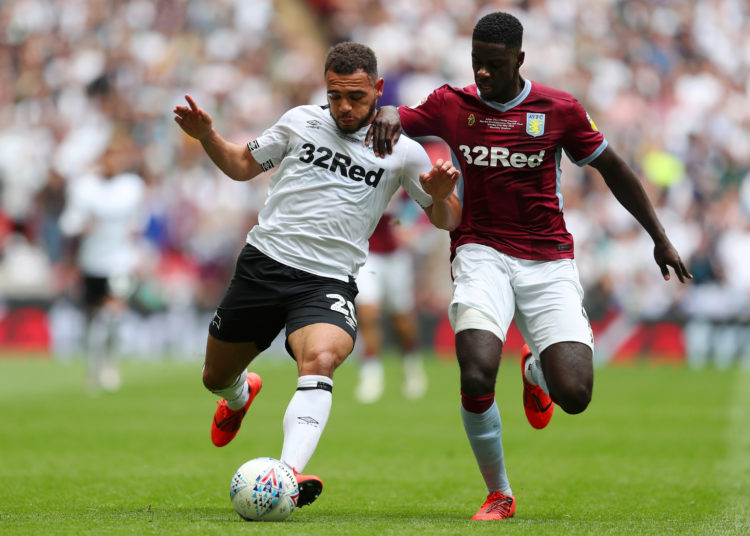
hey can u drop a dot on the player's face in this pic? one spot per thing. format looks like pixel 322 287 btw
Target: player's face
pixel 352 98
pixel 495 69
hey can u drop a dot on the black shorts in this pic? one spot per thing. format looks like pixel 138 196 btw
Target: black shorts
pixel 265 296
pixel 95 289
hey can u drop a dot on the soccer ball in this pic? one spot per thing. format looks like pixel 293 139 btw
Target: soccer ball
pixel 264 489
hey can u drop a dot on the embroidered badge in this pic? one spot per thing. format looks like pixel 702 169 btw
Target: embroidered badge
pixel 535 124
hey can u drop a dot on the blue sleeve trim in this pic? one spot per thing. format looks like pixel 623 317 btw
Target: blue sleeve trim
pixel 593 156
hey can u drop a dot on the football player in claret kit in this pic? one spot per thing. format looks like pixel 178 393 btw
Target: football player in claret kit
pixel 512 254
pixel 298 268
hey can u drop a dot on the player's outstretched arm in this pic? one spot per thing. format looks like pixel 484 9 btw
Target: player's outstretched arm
pixel 629 191
pixel 235 160
pixel 440 182
pixel 384 131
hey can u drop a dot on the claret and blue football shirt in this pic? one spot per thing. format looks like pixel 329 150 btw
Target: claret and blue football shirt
pixel 509 156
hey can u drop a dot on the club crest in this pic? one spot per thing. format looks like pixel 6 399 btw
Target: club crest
pixel 471 120
pixel 535 124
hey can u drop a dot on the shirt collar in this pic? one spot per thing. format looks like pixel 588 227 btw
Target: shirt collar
pixel 505 106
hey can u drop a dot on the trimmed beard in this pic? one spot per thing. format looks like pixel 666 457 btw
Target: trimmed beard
pixel 365 121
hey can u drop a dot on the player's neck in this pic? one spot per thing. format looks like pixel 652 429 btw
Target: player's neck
pixel 513 91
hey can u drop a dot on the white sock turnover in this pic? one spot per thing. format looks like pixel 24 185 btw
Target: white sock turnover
pixel 236 394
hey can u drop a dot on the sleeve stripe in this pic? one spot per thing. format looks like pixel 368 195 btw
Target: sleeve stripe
pixel 590 158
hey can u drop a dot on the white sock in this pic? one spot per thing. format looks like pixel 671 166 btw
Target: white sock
pixel 236 394
pixel 532 370
pixel 100 334
pixel 413 360
pixel 372 366
pixel 305 419
pixel 484 431
pixel 96 343
pixel 415 378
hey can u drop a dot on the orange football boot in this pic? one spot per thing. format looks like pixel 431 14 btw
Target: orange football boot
pixel 227 422
pixel 536 403
pixel 497 506
pixel 310 487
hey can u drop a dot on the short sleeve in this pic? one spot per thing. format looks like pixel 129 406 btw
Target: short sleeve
pixel 77 211
pixel 425 119
pixel 582 142
pixel 270 147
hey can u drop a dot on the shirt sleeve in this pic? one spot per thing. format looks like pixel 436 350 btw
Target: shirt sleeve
pixel 270 147
pixel 77 213
pixel 416 161
pixel 422 120
pixel 582 141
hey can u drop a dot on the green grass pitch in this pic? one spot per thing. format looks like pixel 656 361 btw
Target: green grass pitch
pixel 659 451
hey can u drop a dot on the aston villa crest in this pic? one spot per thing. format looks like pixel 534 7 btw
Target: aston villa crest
pixel 535 124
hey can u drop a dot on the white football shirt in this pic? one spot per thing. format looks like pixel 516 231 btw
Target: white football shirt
pixel 329 191
pixel 107 213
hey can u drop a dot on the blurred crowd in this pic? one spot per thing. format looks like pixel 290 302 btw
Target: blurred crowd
pixel 665 80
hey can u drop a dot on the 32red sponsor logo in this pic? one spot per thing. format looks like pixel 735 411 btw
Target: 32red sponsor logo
pixel 500 156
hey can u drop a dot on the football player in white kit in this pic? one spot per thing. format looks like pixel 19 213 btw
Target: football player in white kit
pixel 298 268
pixel 103 210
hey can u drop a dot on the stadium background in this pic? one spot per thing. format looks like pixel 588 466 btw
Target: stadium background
pixel 666 81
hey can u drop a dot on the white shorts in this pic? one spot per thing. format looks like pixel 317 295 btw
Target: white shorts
pixel 387 280
pixel 546 297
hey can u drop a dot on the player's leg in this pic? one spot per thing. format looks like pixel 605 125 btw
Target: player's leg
pixel 371 374
pixel 225 375
pixel 247 320
pixel 319 349
pixel 96 331
pixel 321 329
pixel 399 301
pixel 480 313
pixel 225 369
pixel 407 331
pixel 569 370
pixel 550 315
pixel 112 312
pixel 478 354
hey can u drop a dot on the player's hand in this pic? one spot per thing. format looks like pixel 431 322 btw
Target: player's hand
pixel 441 180
pixel 384 131
pixel 193 120
pixel 666 255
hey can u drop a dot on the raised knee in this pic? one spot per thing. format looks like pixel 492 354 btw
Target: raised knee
pixel 574 400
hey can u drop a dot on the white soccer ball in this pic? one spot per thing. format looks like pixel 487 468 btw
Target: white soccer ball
pixel 264 489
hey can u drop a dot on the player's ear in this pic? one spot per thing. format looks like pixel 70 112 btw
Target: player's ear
pixel 519 59
pixel 379 88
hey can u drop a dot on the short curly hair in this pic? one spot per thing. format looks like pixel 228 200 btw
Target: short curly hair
pixel 500 28
pixel 348 58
